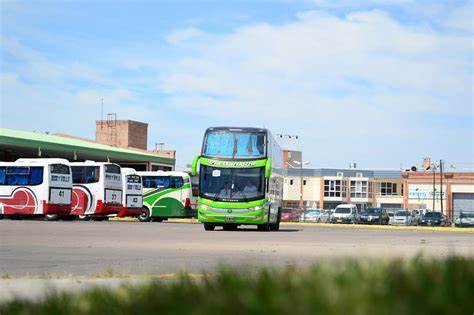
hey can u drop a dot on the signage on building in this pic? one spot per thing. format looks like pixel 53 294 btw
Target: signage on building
pixel 424 193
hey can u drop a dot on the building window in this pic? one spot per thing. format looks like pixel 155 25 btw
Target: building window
pixel 291 182
pixel 304 182
pixel 334 188
pixel 386 189
pixel 358 189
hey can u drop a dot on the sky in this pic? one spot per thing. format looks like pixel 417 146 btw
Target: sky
pixel 382 83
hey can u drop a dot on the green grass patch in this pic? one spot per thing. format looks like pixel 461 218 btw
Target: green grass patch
pixel 417 286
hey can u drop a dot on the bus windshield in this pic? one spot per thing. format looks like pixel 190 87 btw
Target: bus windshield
pixel 85 174
pixel 232 184
pixel 234 144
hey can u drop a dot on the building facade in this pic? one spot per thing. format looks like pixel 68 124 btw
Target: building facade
pixel 388 189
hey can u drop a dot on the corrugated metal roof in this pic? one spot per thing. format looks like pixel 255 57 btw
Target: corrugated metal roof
pixel 29 139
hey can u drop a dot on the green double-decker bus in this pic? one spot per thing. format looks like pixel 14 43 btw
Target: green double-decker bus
pixel 240 179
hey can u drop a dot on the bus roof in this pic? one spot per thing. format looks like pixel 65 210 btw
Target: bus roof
pixel 40 161
pixel 163 173
pixel 86 163
pixel 252 129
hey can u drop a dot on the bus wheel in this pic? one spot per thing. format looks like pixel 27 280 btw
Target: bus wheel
pixel 145 215
pixel 263 227
pixel 51 217
pixel 84 217
pixel 209 226
pixel 230 227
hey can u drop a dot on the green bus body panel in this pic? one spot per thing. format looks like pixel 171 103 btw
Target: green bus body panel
pixel 250 217
pixel 233 164
pixel 162 204
pixel 231 205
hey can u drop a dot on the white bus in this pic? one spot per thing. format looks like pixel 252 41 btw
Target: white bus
pixel 132 199
pixel 97 189
pixel 166 194
pixel 35 187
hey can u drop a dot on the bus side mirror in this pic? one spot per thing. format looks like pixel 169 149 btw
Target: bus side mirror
pixel 194 165
pixel 268 168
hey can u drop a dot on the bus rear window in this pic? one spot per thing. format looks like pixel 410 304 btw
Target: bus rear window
pixel 19 176
pixel 112 169
pixel 85 174
pixel 134 179
pixel 156 182
pixel 59 169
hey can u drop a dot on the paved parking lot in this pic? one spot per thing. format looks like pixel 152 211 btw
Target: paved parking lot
pixel 83 248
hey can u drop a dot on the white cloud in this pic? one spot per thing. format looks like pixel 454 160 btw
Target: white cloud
pixel 183 35
pixel 349 77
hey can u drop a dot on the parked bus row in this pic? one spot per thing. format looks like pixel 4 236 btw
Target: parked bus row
pixel 59 189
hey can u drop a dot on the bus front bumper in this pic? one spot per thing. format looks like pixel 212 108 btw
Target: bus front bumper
pixel 129 212
pixel 233 217
pixel 50 208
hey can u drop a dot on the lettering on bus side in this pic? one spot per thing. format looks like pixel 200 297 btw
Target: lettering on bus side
pixel 112 177
pixel 231 163
pixel 60 178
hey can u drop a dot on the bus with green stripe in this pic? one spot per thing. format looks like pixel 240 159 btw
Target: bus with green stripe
pixel 166 194
pixel 240 179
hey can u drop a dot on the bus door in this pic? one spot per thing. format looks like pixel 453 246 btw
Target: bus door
pixel 60 190
pixel 133 192
pixel 112 184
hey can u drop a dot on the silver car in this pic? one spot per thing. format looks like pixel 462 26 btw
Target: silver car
pixel 403 217
pixel 464 219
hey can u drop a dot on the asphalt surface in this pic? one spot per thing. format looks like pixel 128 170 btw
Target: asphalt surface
pixel 31 248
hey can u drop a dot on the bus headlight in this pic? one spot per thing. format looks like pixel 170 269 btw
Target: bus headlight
pixel 203 206
pixel 257 208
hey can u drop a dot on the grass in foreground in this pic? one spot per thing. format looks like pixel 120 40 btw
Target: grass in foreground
pixel 418 286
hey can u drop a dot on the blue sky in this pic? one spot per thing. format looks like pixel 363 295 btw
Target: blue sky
pixel 380 82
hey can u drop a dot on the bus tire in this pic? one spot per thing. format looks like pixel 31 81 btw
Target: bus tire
pixel 51 217
pixel 276 226
pixel 145 215
pixel 264 227
pixel 84 217
pixel 209 226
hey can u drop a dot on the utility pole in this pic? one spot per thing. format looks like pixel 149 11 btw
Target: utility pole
pixel 441 184
pixel 434 184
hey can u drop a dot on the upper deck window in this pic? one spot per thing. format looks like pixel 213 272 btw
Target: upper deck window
pixel 21 175
pixel 234 144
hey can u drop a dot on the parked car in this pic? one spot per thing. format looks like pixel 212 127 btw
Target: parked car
pixel 326 216
pixel 390 217
pixel 311 215
pixel 374 216
pixel 417 215
pixel 403 217
pixel 464 219
pixel 345 213
pixel 290 215
pixel 433 218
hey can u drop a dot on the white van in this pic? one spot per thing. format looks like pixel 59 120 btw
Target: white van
pixel 345 213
